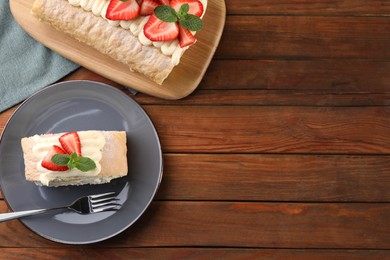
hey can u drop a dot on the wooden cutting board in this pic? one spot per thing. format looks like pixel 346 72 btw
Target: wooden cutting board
pixel 181 82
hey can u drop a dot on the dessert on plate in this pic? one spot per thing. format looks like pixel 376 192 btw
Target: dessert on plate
pixel 75 158
pixel 149 36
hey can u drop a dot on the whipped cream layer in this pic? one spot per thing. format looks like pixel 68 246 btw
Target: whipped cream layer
pixel 92 143
pixel 135 26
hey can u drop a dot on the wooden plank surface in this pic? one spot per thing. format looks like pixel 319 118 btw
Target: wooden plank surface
pixel 224 177
pixel 297 37
pixel 186 253
pixel 310 8
pixel 345 76
pixel 318 98
pixel 281 152
pixel 241 129
pixel 241 224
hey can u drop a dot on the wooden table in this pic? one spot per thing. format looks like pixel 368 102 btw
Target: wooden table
pixel 282 151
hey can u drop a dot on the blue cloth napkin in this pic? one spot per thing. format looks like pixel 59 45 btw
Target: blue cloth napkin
pixel 25 65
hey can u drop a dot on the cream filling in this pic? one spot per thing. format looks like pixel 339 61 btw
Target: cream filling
pixel 92 143
pixel 135 26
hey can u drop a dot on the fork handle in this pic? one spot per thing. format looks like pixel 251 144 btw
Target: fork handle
pixel 19 214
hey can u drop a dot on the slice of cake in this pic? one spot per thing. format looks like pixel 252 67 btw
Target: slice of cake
pixel 75 158
pixel 149 36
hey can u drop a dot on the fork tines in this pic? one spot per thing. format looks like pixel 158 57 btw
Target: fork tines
pixel 95 196
pixel 104 202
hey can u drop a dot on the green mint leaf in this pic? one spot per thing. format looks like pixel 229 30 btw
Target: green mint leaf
pixel 124 0
pixel 60 159
pixel 184 8
pixel 72 160
pixel 165 13
pixel 85 164
pixel 191 22
pixel 73 156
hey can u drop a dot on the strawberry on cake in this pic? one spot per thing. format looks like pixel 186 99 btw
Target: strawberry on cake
pixel 75 158
pixel 149 36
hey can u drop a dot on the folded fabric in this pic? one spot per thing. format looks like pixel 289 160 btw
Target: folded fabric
pixel 26 66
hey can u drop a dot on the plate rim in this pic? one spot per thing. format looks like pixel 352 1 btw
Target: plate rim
pixel 161 160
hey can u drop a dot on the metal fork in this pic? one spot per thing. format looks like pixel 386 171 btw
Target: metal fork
pixel 84 205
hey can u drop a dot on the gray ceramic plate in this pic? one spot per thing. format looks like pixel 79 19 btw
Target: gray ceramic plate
pixel 72 106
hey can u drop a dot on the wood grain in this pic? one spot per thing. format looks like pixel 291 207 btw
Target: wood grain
pixel 296 37
pixel 311 98
pixel 182 81
pixel 282 151
pixel 241 129
pixel 309 8
pixel 337 76
pixel 224 177
pixel 276 225
pixel 240 224
pixel 185 253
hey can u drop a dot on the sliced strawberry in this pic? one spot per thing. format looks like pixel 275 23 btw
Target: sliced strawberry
pixel 118 10
pixel 139 2
pixel 196 7
pixel 70 142
pixel 186 38
pixel 48 164
pixel 147 7
pixel 157 30
pixel 164 2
